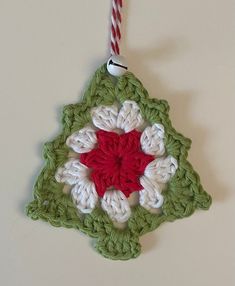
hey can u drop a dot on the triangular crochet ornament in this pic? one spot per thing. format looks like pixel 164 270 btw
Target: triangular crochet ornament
pixel 115 144
pixel 118 169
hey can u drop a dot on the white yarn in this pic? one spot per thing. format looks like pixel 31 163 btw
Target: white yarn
pixel 150 196
pixel 152 140
pixel 114 202
pixel 108 118
pixel 129 116
pixel 161 169
pixel 105 117
pixel 84 196
pixel 116 205
pixel 82 141
pixel 72 172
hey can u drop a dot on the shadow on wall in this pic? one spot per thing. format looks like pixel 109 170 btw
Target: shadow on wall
pixel 180 115
pixel 180 112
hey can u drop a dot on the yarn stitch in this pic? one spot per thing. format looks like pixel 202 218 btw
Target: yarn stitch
pixel 182 195
pixel 119 162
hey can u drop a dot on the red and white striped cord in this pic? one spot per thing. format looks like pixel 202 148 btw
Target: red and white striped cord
pixel 116 20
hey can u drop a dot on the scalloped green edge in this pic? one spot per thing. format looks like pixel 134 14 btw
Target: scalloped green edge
pixel 183 195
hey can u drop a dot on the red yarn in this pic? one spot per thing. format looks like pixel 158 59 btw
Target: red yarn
pixel 117 162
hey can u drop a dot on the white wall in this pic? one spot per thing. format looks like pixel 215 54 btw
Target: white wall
pixel 183 51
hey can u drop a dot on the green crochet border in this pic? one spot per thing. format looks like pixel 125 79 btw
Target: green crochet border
pixel 183 195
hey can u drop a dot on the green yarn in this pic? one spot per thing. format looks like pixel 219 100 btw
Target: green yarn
pixel 182 196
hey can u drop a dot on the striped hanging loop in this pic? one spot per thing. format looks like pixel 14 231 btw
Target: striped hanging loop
pixel 116 20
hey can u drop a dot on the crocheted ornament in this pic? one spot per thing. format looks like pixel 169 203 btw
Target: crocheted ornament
pixel 116 144
pixel 118 169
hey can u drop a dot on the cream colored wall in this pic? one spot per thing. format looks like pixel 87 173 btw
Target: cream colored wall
pixel 183 51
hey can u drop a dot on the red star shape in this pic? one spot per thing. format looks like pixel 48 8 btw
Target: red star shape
pixel 117 162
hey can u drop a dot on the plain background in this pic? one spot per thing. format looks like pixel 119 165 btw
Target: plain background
pixel 183 51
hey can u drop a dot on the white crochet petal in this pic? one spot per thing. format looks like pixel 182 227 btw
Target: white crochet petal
pixel 150 196
pixel 83 140
pixel 129 116
pixel 84 196
pixel 152 140
pixel 105 117
pixel 72 172
pixel 161 169
pixel 116 205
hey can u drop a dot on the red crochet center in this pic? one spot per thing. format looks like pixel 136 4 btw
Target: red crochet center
pixel 117 162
